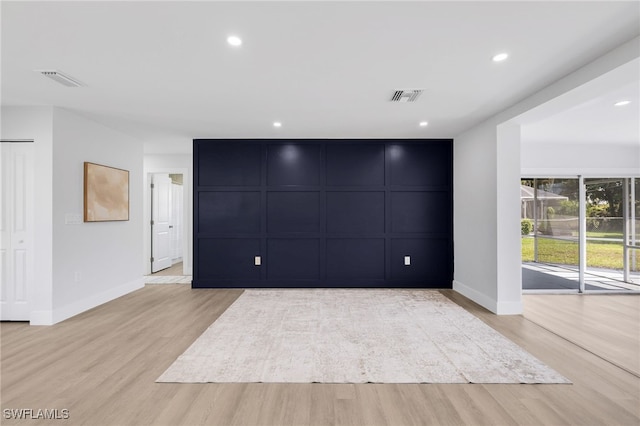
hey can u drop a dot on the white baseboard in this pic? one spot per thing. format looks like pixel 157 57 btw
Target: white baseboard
pixel 498 308
pixel 41 318
pixel 75 308
pixel 476 296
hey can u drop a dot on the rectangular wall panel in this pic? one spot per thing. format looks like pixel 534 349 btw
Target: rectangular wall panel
pixel 356 259
pixel 293 211
pixel 419 164
pixel 355 164
pixel 355 212
pixel 418 212
pixel 429 259
pixel 229 164
pixel 293 164
pixel 229 212
pixel 293 259
pixel 228 258
pixel 323 213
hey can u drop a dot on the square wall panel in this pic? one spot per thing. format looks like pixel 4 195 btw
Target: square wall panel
pixel 355 212
pixel 355 165
pixel 420 164
pixel 293 259
pixel 228 258
pixel 229 164
pixel 293 211
pixel 350 258
pixel 420 211
pixel 430 260
pixel 293 164
pixel 229 212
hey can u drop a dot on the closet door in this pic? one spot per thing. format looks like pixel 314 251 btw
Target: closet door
pixel 16 230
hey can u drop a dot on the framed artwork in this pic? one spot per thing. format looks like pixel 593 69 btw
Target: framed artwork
pixel 106 193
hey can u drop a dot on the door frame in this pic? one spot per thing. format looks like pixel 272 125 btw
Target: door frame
pixel 186 217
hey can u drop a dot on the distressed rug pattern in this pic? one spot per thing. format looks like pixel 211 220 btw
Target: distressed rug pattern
pixel 353 336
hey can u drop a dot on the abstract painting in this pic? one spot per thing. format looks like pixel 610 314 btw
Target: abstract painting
pixel 106 193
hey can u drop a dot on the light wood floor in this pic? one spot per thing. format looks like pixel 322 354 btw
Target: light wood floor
pixel 101 366
pixel 173 270
pixel 608 325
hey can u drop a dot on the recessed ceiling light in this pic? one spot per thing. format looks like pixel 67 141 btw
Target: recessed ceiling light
pixel 622 103
pixel 424 124
pixel 500 57
pixel 234 40
pixel 277 124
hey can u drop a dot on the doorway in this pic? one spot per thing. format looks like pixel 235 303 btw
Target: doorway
pixel 167 223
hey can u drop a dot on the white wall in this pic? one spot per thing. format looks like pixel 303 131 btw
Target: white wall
pixel 572 159
pixel 486 185
pixel 37 123
pixel 107 256
pixel 169 163
pixel 92 262
pixel 474 217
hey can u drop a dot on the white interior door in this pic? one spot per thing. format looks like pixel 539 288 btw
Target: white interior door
pixel 161 209
pixel 16 230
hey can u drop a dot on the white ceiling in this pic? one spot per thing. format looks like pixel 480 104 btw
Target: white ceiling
pixel 595 120
pixel 163 71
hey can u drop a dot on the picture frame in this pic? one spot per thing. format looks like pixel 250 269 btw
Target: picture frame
pixel 106 193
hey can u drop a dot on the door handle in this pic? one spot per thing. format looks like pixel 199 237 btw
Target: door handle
pixel 170 226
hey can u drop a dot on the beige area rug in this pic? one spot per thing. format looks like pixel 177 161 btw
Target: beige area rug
pixel 353 336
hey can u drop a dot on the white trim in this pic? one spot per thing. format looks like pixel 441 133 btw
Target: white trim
pixel 476 296
pixel 187 226
pixel 41 318
pixel 573 173
pixel 498 308
pixel 68 311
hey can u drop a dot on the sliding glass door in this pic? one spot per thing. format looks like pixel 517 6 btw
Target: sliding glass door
pixel 631 229
pixel 605 231
pixel 580 237
pixel 550 234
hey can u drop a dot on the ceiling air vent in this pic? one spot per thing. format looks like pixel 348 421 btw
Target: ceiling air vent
pixel 408 95
pixel 60 78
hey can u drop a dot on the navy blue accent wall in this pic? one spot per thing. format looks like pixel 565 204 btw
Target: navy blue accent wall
pixel 323 213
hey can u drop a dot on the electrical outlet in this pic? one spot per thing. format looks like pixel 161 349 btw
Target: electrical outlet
pixel 77 276
pixel 257 260
pixel 407 260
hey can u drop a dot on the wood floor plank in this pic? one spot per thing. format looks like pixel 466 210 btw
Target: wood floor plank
pixel 606 324
pixel 102 366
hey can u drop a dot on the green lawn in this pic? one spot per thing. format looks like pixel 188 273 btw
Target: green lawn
pixel 600 254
